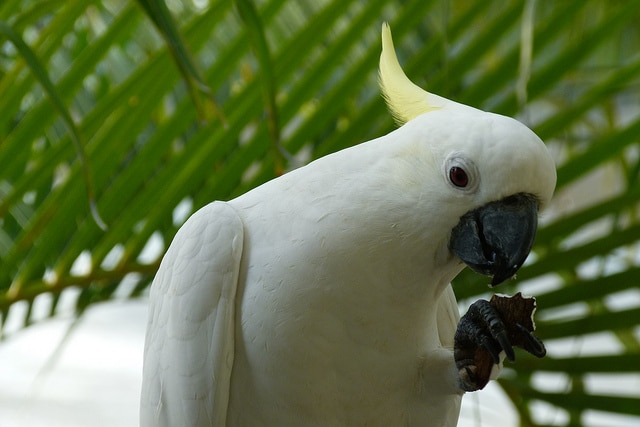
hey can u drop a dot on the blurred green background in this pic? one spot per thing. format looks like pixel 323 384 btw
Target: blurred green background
pixel 118 119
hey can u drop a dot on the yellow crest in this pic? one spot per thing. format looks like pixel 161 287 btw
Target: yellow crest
pixel 405 99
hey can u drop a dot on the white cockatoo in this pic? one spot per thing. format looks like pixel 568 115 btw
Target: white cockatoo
pixel 323 297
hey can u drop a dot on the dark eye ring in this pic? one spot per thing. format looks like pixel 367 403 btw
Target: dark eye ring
pixel 458 177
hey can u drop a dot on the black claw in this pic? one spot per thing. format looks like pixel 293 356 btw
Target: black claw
pixel 532 344
pixel 503 339
pixel 488 329
pixel 487 315
pixel 482 327
pixel 493 347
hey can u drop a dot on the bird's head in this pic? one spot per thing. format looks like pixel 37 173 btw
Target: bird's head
pixel 490 173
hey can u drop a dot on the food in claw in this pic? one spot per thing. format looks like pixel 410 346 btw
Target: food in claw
pixel 490 328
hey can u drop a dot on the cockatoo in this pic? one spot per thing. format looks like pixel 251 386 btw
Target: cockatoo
pixel 323 297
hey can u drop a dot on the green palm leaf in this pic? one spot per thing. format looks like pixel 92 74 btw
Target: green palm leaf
pixel 301 76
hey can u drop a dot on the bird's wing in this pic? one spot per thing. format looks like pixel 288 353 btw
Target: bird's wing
pixel 189 346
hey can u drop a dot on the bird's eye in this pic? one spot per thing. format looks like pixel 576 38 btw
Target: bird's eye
pixel 458 177
pixel 461 173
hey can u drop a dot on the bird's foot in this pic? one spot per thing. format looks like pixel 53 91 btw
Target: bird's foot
pixel 486 331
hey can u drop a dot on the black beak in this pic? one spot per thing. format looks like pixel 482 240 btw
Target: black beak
pixel 496 238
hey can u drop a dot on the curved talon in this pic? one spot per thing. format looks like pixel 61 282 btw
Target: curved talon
pixel 503 339
pixel 531 343
pixel 492 346
pixel 490 317
pixel 468 378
